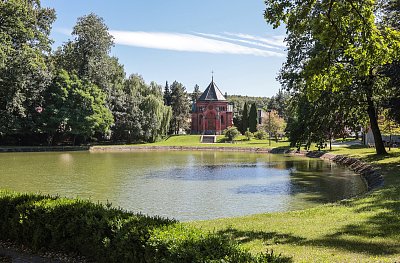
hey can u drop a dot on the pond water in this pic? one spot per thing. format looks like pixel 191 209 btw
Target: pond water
pixel 183 185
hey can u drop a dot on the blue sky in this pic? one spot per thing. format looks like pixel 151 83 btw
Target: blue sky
pixel 185 40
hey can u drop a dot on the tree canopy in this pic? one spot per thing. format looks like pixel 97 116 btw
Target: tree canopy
pixel 336 45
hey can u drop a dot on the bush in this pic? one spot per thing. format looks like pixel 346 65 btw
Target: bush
pixel 106 234
pixel 231 133
pixel 248 134
pixel 260 135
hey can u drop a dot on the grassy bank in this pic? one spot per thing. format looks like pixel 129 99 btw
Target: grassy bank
pixel 194 140
pixel 363 229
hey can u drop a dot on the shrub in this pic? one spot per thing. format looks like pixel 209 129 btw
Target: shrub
pixel 106 234
pixel 260 135
pixel 248 134
pixel 231 133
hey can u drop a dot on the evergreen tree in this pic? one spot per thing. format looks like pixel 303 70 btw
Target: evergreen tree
pixel 245 118
pixel 196 93
pixel 253 118
pixel 167 94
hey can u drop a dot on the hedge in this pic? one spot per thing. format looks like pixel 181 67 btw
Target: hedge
pixel 106 234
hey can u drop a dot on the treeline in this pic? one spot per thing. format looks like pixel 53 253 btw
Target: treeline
pixel 79 92
pixel 342 68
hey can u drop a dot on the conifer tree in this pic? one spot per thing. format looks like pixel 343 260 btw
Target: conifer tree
pixel 245 118
pixel 253 118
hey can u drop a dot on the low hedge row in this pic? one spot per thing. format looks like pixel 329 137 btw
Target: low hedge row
pixel 105 234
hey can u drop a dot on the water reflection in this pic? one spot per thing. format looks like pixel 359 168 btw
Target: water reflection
pixel 183 185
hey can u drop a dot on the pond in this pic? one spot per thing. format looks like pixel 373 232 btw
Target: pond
pixel 183 185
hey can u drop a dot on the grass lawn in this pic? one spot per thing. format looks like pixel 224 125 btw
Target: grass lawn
pixel 363 229
pixel 240 141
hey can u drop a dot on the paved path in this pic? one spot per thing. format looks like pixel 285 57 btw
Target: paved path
pixel 13 256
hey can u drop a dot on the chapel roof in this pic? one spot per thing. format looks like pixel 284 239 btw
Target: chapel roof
pixel 212 93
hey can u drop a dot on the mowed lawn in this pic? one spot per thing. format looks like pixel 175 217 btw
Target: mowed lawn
pixel 240 141
pixel 363 229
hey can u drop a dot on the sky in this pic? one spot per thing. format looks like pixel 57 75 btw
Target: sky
pixel 186 40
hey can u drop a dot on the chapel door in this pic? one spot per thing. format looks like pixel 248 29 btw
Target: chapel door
pixel 211 122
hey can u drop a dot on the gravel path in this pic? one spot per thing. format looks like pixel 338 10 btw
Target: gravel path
pixel 11 253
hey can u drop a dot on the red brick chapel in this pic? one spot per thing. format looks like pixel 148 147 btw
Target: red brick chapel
pixel 211 113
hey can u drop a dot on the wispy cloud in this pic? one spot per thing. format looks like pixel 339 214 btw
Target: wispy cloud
pixel 186 42
pixel 230 43
pixel 274 40
pixel 253 43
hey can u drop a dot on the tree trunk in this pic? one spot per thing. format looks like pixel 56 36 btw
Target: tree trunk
pixel 379 146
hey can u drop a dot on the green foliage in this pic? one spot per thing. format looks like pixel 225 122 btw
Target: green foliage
pixel 196 93
pixel 274 124
pixel 180 105
pixel 260 135
pixel 231 133
pixel 105 234
pixel 245 118
pixel 336 46
pixel 248 134
pixel 76 107
pixel 253 118
pixel 24 72
pixel 141 113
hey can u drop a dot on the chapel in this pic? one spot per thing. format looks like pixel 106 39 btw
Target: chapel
pixel 211 113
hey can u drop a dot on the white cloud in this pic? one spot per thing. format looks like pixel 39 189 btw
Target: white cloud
pixel 186 42
pixel 254 43
pixel 274 40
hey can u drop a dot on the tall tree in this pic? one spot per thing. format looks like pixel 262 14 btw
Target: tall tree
pixel 87 55
pixel 24 73
pixel 245 118
pixel 253 118
pixel 167 94
pixel 76 107
pixel 336 45
pixel 180 107
pixel 196 93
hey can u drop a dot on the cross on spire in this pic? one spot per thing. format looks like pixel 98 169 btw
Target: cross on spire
pixel 212 75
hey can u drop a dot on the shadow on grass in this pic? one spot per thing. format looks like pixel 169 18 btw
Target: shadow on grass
pixel 379 234
pixel 267 237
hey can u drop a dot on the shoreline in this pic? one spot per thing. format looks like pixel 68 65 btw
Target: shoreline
pixel 368 173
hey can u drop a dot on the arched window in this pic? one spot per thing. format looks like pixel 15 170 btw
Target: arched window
pixel 222 119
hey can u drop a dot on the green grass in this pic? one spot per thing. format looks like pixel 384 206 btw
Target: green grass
pixel 194 140
pixel 363 229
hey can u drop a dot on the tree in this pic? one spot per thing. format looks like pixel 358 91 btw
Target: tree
pixel 196 93
pixel 274 125
pixel 87 55
pixel 180 107
pixel 167 94
pixel 253 118
pixel 24 72
pixel 75 107
pixel 156 118
pixel 322 120
pixel 335 45
pixel 245 118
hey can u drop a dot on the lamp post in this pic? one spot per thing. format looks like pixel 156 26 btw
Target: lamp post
pixel 269 127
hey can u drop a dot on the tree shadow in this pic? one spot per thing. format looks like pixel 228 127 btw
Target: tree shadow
pixel 242 236
pixel 379 234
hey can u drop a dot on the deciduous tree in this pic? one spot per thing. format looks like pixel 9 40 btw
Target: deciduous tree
pixel 335 45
